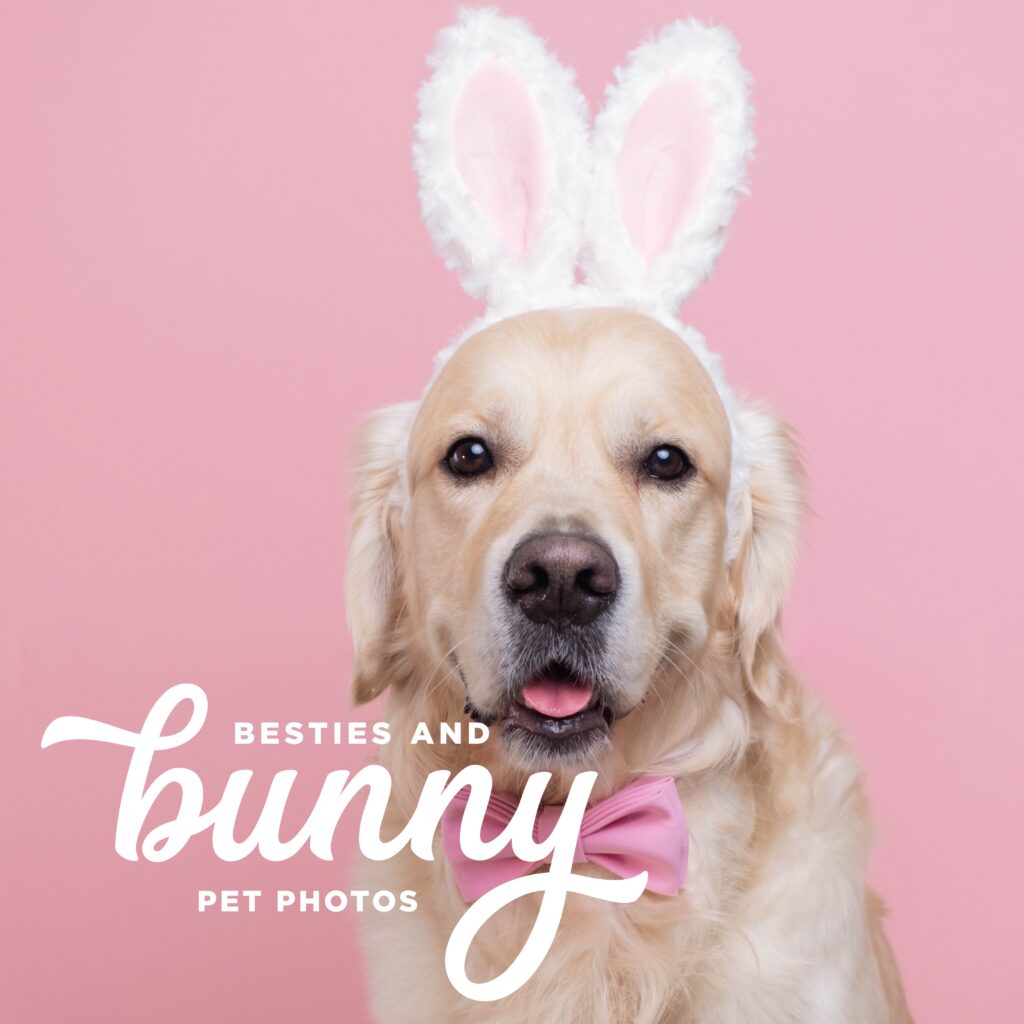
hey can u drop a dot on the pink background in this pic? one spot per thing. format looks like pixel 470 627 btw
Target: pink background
pixel 211 266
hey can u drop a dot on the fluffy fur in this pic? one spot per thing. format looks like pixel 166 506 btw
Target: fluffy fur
pixel 709 58
pixel 459 231
pixel 776 923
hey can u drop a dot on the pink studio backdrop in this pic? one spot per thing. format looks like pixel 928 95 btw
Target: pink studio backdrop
pixel 212 265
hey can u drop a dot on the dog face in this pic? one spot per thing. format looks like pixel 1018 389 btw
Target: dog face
pixel 563 543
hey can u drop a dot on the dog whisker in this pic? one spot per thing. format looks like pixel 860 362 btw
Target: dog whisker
pixel 431 686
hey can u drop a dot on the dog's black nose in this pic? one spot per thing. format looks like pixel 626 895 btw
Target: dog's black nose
pixel 562 579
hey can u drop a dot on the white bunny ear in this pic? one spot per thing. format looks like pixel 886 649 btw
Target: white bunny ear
pixel 502 156
pixel 670 150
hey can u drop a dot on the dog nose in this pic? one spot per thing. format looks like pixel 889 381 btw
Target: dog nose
pixel 562 578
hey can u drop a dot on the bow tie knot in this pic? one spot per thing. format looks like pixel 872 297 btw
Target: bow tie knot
pixel 640 828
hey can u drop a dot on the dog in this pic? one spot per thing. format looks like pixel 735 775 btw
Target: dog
pixel 581 537
pixel 590 448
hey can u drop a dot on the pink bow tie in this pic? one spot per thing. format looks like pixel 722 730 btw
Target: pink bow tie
pixel 640 828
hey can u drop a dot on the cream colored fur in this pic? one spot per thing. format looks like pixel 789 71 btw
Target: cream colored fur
pixel 776 923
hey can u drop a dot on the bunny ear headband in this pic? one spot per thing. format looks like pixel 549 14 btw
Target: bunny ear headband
pixel 518 192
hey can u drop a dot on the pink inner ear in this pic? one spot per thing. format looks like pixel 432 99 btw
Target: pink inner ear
pixel 664 164
pixel 499 151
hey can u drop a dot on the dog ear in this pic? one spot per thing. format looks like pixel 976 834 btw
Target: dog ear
pixel 371 582
pixel 670 149
pixel 769 537
pixel 503 159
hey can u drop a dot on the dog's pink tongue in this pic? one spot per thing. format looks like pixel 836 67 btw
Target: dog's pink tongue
pixel 557 698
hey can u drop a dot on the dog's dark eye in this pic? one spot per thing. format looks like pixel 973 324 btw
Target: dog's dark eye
pixel 667 462
pixel 469 457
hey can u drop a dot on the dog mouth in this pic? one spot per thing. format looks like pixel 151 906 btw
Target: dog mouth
pixel 558 712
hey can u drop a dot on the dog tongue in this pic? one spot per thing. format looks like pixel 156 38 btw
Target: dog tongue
pixel 557 698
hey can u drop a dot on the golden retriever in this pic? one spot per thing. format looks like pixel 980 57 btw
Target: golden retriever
pixel 566 480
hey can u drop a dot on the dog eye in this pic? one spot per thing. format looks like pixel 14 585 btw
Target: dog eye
pixel 469 457
pixel 667 462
